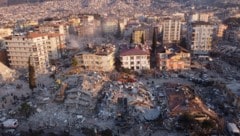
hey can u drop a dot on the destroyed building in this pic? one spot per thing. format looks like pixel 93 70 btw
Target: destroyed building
pixel 97 57
pixel 173 57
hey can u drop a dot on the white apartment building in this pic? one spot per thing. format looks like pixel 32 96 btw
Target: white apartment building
pixel 200 37
pixel 21 48
pixel 135 58
pixel 171 30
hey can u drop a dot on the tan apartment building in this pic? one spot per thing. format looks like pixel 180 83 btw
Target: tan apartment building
pixel 171 30
pixel 137 58
pixel 53 28
pixel 199 17
pixel 4 32
pixel 22 47
pixel 173 58
pixel 221 29
pixel 97 58
pixel 137 35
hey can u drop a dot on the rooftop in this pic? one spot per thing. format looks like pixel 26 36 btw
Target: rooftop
pixel 98 49
pixel 134 51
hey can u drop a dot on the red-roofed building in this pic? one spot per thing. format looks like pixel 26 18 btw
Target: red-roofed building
pixel 135 58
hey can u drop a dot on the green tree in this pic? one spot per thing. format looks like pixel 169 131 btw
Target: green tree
pixel 183 43
pixel 31 75
pixel 131 39
pixel 74 62
pixel 118 64
pixel 143 39
pixel 118 33
pixel 154 41
pixel 153 49
pixel 25 110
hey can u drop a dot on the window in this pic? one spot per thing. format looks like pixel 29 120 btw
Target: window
pixel 131 58
pixel 132 63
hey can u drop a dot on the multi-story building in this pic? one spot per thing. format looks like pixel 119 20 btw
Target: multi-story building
pixel 199 17
pixel 4 32
pixel 97 58
pixel 221 30
pixel 137 35
pixel 173 58
pixel 53 28
pixel 137 58
pixel 200 37
pixel 55 45
pixel 31 46
pixel 171 30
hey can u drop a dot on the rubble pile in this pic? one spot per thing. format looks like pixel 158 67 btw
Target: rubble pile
pixel 137 97
pixel 6 73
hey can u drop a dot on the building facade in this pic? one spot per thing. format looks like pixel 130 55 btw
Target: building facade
pixel 135 58
pixel 199 17
pixel 97 58
pixel 171 30
pixel 173 58
pixel 137 35
pixel 200 37
pixel 32 46
pixel 55 45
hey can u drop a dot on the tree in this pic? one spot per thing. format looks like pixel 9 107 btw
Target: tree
pixel 183 43
pixel 118 64
pixel 143 39
pixel 25 109
pixel 74 62
pixel 31 75
pixel 118 33
pixel 153 49
pixel 154 41
pixel 131 39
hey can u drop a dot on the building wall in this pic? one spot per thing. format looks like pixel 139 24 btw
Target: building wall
pixel 137 36
pixel 5 32
pixel 95 62
pixel 54 46
pixel 20 48
pixel 171 31
pixel 180 61
pixel 221 29
pixel 199 17
pixel 200 38
pixel 136 62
